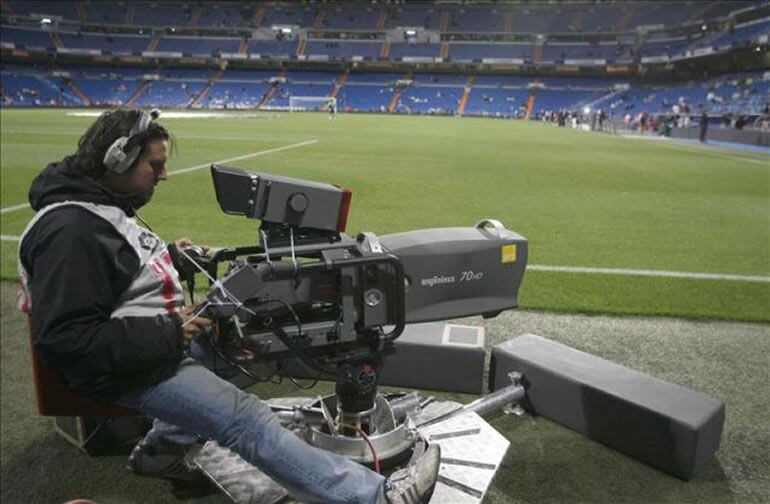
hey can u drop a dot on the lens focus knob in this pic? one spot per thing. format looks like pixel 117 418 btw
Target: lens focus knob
pixel 298 202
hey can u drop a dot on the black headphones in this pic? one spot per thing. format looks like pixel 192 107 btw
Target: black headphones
pixel 116 159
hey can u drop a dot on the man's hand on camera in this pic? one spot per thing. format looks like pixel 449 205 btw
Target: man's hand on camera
pixel 193 326
pixel 183 243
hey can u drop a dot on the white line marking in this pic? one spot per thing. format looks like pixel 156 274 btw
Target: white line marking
pixel 14 208
pixel 712 152
pixel 246 156
pixel 650 273
pixel 201 166
pixel 705 149
pixel 605 271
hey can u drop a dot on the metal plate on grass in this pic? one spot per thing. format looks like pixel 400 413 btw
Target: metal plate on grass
pixel 471 453
pixel 237 479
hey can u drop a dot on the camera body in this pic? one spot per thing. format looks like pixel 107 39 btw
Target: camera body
pixel 312 292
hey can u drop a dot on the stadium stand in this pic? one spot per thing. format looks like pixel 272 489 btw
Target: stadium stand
pixel 536 38
pixel 406 16
pixel 350 19
pixel 27 37
pixel 272 49
pixel 199 45
pixel 106 12
pixel 66 10
pixel 35 90
pixel 414 50
pixel 743 93
pixel 107 92
pixel 343 49
pixel 497 102
pixel 224 14
pixel 477 51
pixel 112 43
pixel 164 14
pixel 290 15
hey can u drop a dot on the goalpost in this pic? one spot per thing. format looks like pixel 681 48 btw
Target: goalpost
pixel 306 103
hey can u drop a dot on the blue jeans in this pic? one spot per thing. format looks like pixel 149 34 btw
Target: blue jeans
pixel 197 403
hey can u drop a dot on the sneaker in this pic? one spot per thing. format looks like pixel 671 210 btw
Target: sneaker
pixel 168 463
pixel 414 484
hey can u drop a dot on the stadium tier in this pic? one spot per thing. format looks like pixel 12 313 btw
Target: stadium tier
pixel 532 17
pixel 613 32
pixel 478 51
pixel 612 16
pixel 487 95
pixel 492 55
pixel 112 43
pixel 341 49
pixel 363 18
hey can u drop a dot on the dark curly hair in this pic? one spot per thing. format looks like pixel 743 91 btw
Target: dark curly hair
pixel 111 125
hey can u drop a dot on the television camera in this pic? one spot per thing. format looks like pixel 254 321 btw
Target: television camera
pixel 311 301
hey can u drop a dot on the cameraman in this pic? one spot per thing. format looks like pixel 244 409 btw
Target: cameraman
pixel 107 312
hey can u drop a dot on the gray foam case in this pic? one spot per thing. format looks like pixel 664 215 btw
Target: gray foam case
pixel 669 427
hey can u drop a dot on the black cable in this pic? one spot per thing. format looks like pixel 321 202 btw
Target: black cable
pixel 257 379
pixel 281 334
pixel 142 220
pixel 297 353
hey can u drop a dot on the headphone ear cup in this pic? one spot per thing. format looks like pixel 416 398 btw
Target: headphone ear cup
pixel 128 160
pixel 116 159
pixel 115 154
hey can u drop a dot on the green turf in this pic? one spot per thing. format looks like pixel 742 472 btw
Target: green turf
pixel 545 463
pixel 581 199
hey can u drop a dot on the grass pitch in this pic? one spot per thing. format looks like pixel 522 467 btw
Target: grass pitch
pixel 582 199
pixel 546 463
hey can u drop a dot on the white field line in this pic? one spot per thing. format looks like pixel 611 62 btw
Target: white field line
pixel 604 271
pixel 650 273
pixel 14 208
pixel 707 150
pixel 246 156
pixel 201 166
pixel 710 152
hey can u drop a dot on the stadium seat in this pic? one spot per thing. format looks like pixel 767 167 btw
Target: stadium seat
pixel 55 399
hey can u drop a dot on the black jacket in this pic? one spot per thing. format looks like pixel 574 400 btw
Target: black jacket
pixel 78 267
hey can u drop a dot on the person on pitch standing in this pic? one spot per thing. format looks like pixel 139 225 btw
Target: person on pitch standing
pixel 704 126
pixel 108 314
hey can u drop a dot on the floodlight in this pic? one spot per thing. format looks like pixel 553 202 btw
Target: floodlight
pixel 587 110
pixel 45 21
pixel 411 33
pixel 286 30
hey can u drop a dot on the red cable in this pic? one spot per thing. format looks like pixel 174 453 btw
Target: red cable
pixel 368 442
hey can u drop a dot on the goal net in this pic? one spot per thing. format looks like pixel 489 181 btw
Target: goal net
pixel 306 103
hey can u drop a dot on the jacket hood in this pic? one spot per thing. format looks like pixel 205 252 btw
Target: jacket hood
pixel 61 181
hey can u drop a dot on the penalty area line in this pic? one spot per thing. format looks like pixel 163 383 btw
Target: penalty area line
pixel 22 206
pixel 649 273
